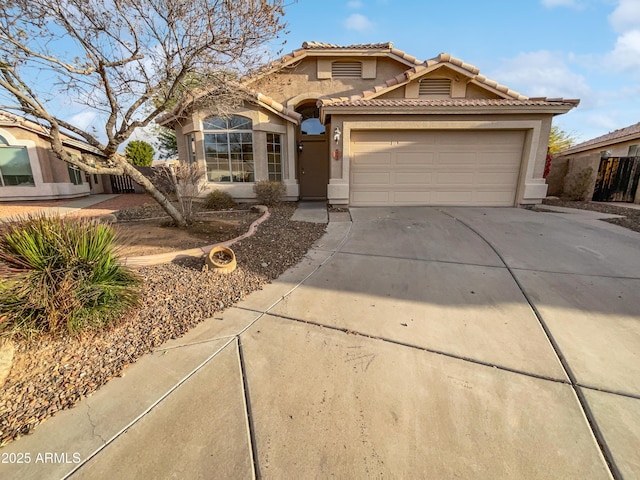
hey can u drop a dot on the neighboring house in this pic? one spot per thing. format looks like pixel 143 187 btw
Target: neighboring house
pixel 372 125
pixel 29 170
pixel 613 159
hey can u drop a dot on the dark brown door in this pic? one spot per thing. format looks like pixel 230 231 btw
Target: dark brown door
pixel 313 154
pixel 313 166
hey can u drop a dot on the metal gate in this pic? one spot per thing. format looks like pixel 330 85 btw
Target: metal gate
pixel 122 184
pixel 617 179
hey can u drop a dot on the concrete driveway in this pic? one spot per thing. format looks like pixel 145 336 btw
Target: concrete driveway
pixel 411 343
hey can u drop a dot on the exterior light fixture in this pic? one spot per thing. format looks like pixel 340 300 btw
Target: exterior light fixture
pixel 336 134
pixel 300 147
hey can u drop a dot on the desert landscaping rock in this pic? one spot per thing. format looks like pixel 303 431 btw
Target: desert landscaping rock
pixel 630 220
pixel 51 374
pixel 6 359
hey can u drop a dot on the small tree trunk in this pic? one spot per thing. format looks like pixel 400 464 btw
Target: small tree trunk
pixel 157 195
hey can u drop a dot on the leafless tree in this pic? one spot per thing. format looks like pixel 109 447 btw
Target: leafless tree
pixel 128 60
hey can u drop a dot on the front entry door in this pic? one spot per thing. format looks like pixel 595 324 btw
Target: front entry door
pixel 313 154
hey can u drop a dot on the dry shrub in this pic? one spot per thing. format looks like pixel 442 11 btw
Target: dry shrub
pixel 269 192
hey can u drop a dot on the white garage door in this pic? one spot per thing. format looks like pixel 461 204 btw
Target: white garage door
pixel 435 167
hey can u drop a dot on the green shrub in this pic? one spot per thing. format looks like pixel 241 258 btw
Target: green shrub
pixel 61 275
pixel 219 200
pixel 269 192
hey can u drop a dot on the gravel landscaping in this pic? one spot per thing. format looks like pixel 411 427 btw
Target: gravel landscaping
pixel 631 218
pixel 52 374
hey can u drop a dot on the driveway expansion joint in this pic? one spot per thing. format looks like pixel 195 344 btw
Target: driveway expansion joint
pixel 425 260
pixel 348 331
pixel 589 416
pixel 147 410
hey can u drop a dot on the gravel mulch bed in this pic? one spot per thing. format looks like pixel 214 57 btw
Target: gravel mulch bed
pixel 52 374
pixel 631 218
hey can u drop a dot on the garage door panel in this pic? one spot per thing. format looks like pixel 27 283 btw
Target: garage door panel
pixel 373 158
pixel 372 178
pixel 411 197
pixel 371 198
pixel 457 158
pixel 413 178
pixel 453 197
pixel 497 178
pixel 493 197
pixel 417 158
pixel 500 159
pixel 455 178
pixel 435 167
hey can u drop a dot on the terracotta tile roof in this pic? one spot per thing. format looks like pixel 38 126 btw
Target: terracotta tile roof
pixel 360 46
pixel 278 107
pixel 449 102
pixel 10 119
pixel 307 47
pixel 429 65
pixel 622 134
pixel 253 96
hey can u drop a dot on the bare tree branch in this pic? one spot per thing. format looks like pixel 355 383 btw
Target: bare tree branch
pixel 128 61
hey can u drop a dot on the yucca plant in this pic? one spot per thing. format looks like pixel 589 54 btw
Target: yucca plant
pixel 61 275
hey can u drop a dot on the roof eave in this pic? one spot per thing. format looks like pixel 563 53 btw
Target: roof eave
pixel 596 145
pixel 421 110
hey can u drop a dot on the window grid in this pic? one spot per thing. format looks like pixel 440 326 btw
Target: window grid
pixel 75 175
pixel 274 156
pixel 228 145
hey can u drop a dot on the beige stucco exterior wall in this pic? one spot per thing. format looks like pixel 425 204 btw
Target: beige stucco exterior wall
pixel 302 78
pixel 578 164
pixel 564 170
pixel 50 174
pixel 474 91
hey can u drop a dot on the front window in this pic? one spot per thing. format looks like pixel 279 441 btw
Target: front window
pixel 15 167
pixel 228 148
pixel 74 174
pixel 274 156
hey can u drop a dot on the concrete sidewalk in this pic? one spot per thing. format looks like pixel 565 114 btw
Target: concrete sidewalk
pixel 409 343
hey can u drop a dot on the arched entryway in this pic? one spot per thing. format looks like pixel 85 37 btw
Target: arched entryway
pixel 313 153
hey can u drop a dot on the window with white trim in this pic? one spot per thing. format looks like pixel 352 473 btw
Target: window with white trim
pixel 228 149
pixel 274 156
pixel 15 167
pixel 634 151
pixel 75 174
pixel 346 69
pixel 435 87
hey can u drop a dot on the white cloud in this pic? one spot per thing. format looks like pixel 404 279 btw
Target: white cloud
pixel 626 53
pixel 541 74
pixel 358 22
pixel 355 4
pixel 84 120
pixel 560 3
pixel 626 16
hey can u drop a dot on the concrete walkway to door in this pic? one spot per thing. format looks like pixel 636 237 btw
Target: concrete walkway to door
pixel 472 343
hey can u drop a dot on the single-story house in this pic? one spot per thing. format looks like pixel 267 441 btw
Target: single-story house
pixel 372 125
pixel 621 143
pixel 29 170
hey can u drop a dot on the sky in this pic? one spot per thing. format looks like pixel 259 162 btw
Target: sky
pixel 586 49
